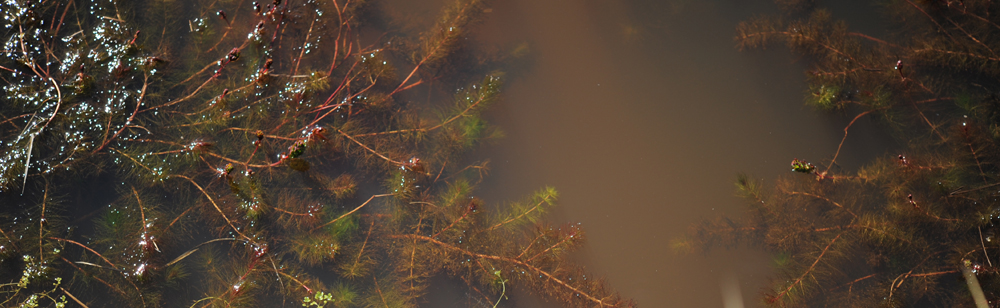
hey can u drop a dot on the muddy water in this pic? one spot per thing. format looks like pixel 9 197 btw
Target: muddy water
pixel 641 113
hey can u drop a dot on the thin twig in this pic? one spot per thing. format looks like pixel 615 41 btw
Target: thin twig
pixel 935 273
pixel 357 260
pixel 823 198
pixel 138 104
pixel 841 145
pixel 113 288
pixel 87 248
pixel 973 38
pixel 237 230
pixel 369 149
pixel 850 285
pixel 305 44
pixel 926 120
pixel 862 35
pixel 73 297
pixel 526 248
pixel 379 289
pixel 940 28
pixel 352 211
pixel 413 253
pixel 303 285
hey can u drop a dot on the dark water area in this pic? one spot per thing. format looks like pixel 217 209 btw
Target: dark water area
pixel 641 113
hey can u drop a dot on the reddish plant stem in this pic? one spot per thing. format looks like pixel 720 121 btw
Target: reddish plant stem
pixel 546 274
pixel 344 82
pixel 365 244
pixel 352 211
pixel 824 198
pixel 379 289
pixel 841 145
pixel 850 285
pixel 138 104
pixel 427 129
pixel 970 36
pixel 469 208
pixel 814 40
pixel 289 212
pixel 217 208
pixel 426 57
pixel 550 248
pixel 113 288
pixel 370 149
pixel 303 51
pixel 113 266
pixel 902 278
pixel 529 246
pixel 940 28
pixel 972 150
pixel 303 285
pixel 362 91
pixel 862 35
pixel 172 222
pixel 413 252
pixel 808 270
pixel 926 120
pixel 935 273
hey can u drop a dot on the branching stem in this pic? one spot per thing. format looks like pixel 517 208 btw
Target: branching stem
pixel 352 211
pixel 808 270
pixel 549 276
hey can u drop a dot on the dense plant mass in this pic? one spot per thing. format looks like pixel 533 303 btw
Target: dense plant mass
pixel 256 154
pixel 900 231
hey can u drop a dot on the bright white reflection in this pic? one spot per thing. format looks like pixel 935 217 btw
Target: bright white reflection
pixel 732 297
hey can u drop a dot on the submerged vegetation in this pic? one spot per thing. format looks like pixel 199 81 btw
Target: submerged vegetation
pixel 257 154
pixel 901 230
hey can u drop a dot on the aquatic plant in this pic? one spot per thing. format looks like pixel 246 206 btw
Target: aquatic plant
pixel 229 153
pixel 900 231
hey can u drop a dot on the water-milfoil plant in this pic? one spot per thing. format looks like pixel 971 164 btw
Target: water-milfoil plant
pixel 901 230
pixel 256 154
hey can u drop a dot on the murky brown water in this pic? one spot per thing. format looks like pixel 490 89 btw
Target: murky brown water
pixel 641 113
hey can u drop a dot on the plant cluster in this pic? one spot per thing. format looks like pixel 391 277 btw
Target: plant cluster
pixel 256 154
pixel 902 230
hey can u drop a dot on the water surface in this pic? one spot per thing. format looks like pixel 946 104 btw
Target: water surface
pixel 641 113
